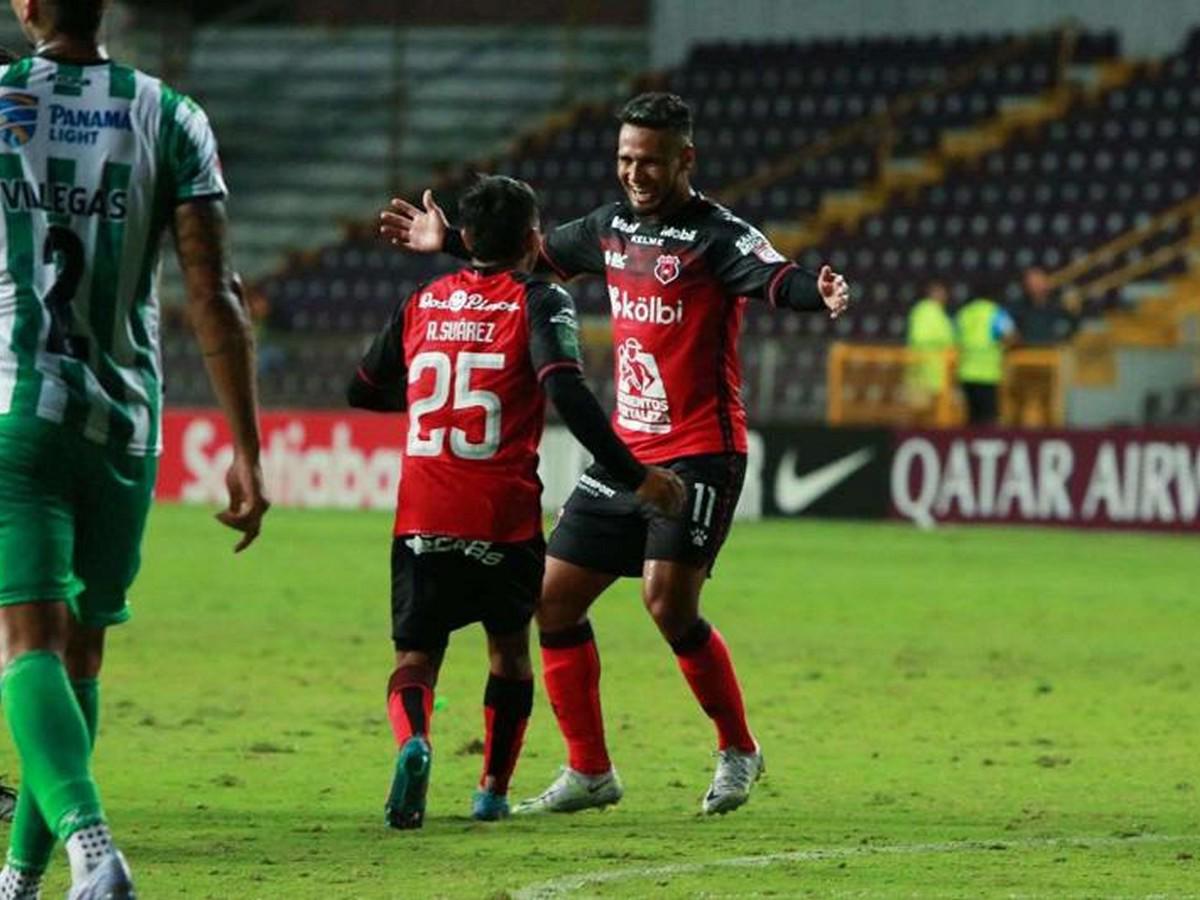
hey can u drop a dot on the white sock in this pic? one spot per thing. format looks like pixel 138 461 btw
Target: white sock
pixel 17 885
pixel 86 848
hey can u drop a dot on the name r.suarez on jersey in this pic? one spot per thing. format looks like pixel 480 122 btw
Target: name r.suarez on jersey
pixel 460 330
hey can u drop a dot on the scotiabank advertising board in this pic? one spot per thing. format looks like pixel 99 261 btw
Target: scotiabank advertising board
pixel 319 459
pixel 322 459
pixel 1133 479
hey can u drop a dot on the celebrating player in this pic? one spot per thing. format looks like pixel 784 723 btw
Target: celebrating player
pixel 465 356
pixel 678 266
pixel 98 159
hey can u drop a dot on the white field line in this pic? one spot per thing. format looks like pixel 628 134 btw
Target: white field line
pixel 566 884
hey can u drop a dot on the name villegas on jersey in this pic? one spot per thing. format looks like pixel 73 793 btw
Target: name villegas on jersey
pixel 60 199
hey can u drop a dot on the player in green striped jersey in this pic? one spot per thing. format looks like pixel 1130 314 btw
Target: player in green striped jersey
pixel 97 160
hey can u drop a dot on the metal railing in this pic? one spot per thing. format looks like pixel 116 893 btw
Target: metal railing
pixel 889 385
pixel 1081 275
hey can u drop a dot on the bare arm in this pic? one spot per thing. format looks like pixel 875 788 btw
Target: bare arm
pixel 218 315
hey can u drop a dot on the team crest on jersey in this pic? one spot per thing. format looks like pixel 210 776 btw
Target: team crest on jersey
pixel 18 118
pixel 667 268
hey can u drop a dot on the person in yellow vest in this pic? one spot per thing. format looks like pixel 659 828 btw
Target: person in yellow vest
pixel 984 329
pixel 930 335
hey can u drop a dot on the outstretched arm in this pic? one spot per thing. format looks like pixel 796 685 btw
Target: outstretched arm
pixel 416 229
pixel 749 266
pixel 218 314
pixel 570 249
pixel 796 288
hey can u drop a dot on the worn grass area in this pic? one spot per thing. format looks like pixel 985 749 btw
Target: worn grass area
pixel 947 714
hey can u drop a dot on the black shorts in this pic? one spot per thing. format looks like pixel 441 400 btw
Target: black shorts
pixel 603 527
pixel 983 403
pixel 440 584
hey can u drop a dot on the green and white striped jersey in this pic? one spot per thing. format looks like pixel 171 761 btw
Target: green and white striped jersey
pixel 93 160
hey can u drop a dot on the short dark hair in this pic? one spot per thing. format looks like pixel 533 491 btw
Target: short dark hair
pixel 78 18
pixel 660 111
pixel 498 212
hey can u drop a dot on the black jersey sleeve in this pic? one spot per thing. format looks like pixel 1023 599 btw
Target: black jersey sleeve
pixel 553 328
pixel 573 248
pixel 554 352
pixel 381 381
pixel 749 266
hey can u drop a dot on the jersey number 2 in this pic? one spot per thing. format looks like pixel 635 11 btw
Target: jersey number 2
pixel 63 247
pixel 458 378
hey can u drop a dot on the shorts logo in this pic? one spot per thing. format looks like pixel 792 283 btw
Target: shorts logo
pixel 18 118
pixel 699 536
pixel 423 544
pixel 667 268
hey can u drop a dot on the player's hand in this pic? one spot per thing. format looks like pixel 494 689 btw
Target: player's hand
pixel 412 228
pixel 834 291
pixel 247 501
pixel 664 491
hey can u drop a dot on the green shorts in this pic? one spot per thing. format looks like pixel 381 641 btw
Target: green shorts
pixel 72 514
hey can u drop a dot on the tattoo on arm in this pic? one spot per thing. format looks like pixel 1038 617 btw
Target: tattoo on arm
pixel 202 241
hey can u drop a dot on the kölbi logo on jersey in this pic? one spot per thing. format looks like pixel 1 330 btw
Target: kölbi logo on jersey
pixel 644 309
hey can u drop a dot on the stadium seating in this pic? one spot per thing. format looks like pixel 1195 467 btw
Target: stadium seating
pixel 1042 199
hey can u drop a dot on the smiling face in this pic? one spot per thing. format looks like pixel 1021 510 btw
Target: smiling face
pixel 654 167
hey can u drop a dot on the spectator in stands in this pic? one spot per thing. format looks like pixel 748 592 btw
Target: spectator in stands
pixel 1041 317
pixel 984 329
pixel 271 356
pixel 930 335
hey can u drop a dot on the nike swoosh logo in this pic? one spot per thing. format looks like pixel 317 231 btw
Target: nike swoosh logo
pixel 592 788
pixel 794 493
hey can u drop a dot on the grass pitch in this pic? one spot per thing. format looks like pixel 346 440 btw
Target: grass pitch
pixel 960 713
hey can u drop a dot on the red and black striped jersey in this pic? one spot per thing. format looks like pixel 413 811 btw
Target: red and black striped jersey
pixel 677 288
pixel 471 349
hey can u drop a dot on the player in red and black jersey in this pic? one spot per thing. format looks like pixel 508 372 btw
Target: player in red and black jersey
pixel 469 356
pixel 679 268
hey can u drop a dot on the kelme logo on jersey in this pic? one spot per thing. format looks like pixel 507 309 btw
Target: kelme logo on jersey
pixel 644 309
pixel 667 269
pixel 18 118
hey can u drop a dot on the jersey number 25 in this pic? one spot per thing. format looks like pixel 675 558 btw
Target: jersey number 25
pixel 454 378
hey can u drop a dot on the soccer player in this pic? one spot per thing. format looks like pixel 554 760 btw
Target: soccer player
pixel 97 160
pixel 469 356
pixel 678 268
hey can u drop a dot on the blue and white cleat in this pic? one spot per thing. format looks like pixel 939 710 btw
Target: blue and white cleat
pixel 488 807
pixel 736 773
pixel 406 801
pixel 110 880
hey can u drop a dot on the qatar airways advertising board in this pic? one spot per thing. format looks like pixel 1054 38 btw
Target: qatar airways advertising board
pixel 1129 479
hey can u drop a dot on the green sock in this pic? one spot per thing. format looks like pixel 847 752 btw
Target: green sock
pixel 52 741
pixel 31 842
